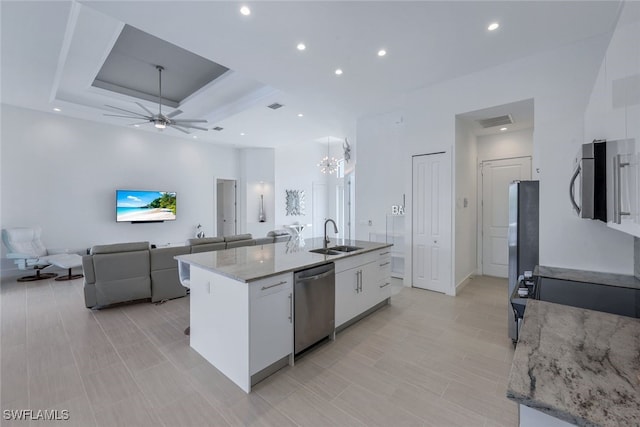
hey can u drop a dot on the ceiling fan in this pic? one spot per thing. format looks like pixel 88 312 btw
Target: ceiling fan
pixel 160 121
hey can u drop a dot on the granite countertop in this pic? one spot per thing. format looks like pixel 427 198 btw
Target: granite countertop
pixel 578 365
pixel 610 279
pixel 250 263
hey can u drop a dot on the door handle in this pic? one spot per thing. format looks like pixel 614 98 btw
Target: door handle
pixel 316 277
pixel 572 184
pixel 274 285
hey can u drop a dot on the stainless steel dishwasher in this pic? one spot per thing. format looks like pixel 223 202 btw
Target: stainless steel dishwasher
pixel 314 291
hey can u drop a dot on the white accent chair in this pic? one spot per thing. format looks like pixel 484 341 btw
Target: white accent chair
pixel 184 274
pixel 25 247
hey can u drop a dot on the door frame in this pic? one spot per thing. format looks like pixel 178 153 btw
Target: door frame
pixel 217 180
pixel 480 207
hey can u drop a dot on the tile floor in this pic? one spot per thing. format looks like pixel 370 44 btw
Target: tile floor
pixel 425 360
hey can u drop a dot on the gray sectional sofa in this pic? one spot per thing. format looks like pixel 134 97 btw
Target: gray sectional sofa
pixel 124 272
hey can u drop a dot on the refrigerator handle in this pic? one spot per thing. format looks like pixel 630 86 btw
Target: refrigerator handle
pixel 572 185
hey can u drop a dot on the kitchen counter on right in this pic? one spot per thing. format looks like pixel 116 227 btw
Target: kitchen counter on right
pixel 577 365
pixel 609 279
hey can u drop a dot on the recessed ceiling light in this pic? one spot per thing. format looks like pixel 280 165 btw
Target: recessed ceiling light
pixel 301 46
pixel 195 136
pixel 57 110
pixel 382 52
pixel 245 10
pixel 338 72
pixel 493 26
pixel 136 126
pixel 242 134
pixel 503 129
pixel 300 115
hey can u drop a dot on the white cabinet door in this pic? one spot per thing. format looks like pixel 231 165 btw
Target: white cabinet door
pixel 348 302
pixel 271 324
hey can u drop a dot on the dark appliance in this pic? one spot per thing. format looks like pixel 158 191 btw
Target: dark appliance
pixel 523 238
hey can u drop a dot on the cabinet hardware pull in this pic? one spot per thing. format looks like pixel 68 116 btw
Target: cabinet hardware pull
pixel 360 281
pixel 273 286
pixel 385 263
pixel 290 308
pixel 385 285
pixel 384 253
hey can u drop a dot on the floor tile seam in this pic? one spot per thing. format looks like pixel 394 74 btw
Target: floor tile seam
pixel 142 393
pixel 329 401
pixel 142 329
pixel 75 363
pixel 387 400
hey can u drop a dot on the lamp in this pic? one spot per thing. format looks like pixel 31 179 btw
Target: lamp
pixel 328 164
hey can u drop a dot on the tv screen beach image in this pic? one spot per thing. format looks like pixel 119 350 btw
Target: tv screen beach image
pixel 132 206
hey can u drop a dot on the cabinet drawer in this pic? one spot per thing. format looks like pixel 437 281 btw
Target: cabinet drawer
pixel 271 285
pixel 384 268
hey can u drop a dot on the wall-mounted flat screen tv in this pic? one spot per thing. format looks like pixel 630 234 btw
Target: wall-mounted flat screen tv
pixel 145 206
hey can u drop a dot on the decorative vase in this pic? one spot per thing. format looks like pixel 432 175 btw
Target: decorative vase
pixel 261 216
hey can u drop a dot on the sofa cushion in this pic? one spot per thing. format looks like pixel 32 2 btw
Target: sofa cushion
pixel 208 247
pixel 264 240
pixel 162 258
pixel 280 232
pixel 237 237
pixel 120 247
pixel 204 241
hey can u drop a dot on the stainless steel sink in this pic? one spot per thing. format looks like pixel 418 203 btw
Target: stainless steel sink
pixel 345 248
pixel 325 251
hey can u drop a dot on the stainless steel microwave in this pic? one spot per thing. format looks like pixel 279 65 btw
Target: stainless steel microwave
pixel 588 186
pixel 599 189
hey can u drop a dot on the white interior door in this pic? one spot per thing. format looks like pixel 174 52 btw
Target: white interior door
pixel 496 177
pixel 431 227
pixel 226 207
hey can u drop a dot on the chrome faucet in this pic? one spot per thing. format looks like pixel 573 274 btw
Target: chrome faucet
pixel 335 230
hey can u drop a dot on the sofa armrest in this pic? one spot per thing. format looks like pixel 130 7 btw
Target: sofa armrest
pixel 88 270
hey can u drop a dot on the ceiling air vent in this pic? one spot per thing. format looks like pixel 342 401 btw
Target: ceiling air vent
pixel 218 128
pixel 496 121
pixel 275 106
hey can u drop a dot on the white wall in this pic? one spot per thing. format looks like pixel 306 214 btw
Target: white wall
pixel 560 82
pixel 62 173
pixel 380 181
pixel 466 217
pixel 505 145
pixel 257 165
pixel 296 169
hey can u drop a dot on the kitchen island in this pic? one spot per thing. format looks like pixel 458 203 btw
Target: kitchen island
pixel 241 305
pixel 574 366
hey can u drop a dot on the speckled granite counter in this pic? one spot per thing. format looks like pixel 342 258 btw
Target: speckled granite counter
pixel 250 263
pixel 610 279
pixel 578 365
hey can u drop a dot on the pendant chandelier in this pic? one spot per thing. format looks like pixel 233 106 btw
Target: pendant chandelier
pixel 328 164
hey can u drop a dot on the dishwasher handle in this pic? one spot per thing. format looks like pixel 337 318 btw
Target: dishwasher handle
pixel 315 277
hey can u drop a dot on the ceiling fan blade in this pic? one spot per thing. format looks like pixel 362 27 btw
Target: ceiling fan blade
pixel 189 121
pixel 174 113
pixel 145 108
pixel 127 111
pixel 186 125
pixel 140 123
pixel 128 117
pixel 180 129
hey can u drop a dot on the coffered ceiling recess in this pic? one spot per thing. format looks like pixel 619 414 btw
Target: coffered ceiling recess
pixel 54 51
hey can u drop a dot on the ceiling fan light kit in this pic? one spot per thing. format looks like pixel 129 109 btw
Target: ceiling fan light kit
pixel 160 121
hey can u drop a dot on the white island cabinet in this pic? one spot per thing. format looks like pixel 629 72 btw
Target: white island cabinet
pixel 242 304
pixel 362 283
pixel 241 328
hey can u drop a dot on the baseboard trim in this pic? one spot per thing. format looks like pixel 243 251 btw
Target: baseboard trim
pixel 464 282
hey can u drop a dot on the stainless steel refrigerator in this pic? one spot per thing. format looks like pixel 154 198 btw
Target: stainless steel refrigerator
pixel 523 237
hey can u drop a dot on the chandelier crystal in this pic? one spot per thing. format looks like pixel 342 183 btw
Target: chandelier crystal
pixel 328 164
